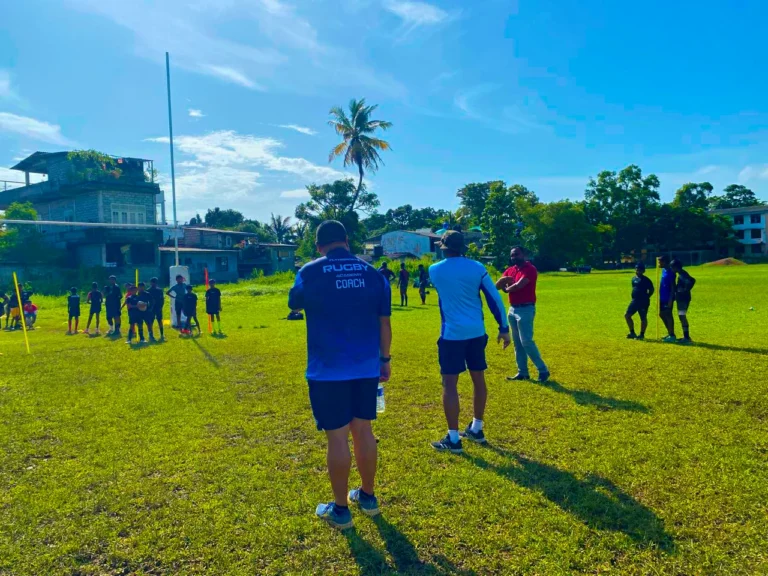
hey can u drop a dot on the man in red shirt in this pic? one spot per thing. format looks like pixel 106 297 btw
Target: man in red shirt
pixel 519 281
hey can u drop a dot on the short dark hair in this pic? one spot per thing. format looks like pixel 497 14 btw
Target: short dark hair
pixel 112 278
pixel 664 258
pixel 676 263
pixel 154 280
pixel 179 276
pixel 521 248
pixel 640 266
pixel 211 281
pixel 330 232
pixel 95 285
pixel 189 287
pixel 73 290
pixel 142 285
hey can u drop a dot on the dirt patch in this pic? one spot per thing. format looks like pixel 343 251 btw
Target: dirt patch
pixel 726 262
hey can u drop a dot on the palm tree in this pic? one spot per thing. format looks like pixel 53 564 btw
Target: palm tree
pixel 359 147
pixel 280 227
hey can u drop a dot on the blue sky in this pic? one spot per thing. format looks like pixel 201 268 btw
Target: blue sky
pixel 540 93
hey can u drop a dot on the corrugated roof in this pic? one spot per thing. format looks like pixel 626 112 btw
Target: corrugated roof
pixel 219 231
pixel 746 210
pixel 185 249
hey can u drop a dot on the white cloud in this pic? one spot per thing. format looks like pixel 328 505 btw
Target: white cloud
pixel 31 128
pixel 463 100
pixel 298 193
pixel 297 128
pixel 753 172
pixel 230 75
pixel 5 86
pixel 415 14
pixel 195 113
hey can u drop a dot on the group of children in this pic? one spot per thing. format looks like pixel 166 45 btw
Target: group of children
pixel 675 288
pixel 13 312
pixel 403 279
pixel 145 308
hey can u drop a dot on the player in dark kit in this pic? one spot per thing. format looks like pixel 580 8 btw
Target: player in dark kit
pixel 386 272
pixel 145 309
pixel 95 298
pixel 402 283
pixel 642 290
pixel 423 283
pixel 685 283
pixel 213 304
pixel 135 319
pixel 73 308
pixel 157 296
pixel 190 311
pixel 113 298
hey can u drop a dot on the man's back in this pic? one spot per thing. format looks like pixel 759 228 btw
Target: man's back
pixel 343 298
pixel 459 282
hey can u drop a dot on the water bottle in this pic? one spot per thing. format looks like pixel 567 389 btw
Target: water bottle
pixel 380 399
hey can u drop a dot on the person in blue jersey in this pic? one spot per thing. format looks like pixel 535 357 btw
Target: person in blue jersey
pixel 459 282
pixel 348 305
pixel 683 289
pixel 667 298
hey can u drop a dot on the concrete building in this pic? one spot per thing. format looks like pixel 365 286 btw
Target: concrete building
pixel 750 226
pixel 83 191
pixel 222 265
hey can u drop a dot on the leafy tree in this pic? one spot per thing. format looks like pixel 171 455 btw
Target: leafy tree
pixel 264 234
pixel 223 219
pixel 692 195
pixel 337 201
pixel 502 219
pixel 561 232
pixel 376 223
pixel 624 201
pixel 280 227
pixel 736 196
pixel 359 146
pixel 473 198
pixel 24 243
pixel 196 220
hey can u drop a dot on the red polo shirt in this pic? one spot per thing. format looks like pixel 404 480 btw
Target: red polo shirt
pixel 526 295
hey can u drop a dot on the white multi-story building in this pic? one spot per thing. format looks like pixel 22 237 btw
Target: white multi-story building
pixel 751 228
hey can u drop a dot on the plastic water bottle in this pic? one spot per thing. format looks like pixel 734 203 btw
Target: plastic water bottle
pixel 380 399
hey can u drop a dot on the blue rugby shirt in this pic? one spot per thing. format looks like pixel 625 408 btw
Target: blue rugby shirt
pixel 343 298
pixel 459 282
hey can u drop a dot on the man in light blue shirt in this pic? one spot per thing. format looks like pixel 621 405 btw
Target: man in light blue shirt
pixel 459 282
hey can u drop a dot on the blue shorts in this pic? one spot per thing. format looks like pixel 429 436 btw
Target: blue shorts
pixel 456 356
pixel 336 403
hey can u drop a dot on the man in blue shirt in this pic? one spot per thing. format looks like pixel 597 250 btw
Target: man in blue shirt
pixel 459 282
pixel 667 298
pixel 348 305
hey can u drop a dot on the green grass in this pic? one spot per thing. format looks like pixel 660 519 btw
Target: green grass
pixel 200 456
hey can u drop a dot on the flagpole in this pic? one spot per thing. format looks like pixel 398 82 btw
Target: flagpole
pixel 173 170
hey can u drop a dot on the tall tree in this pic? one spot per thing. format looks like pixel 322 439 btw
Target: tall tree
pixel 561 234
pixel 692 195
pixel 337 201
pixel 735 196
pixel 224 219
pixel 359 146
pixel 502 219
pixel 280 227
pixel 473 198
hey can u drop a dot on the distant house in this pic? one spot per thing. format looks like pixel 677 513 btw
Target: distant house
pixel 222 265
pixel 79 192
pixel 251 254
pixel 750 225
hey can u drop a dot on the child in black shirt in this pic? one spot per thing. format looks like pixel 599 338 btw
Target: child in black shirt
pixel 190 311
pixel 95 298
pixel 213 304
pixel 73 307
pixel 642 290
pixel 135 319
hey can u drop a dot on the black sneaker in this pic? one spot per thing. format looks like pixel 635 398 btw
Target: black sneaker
pixel 519 376
pixel 631 336
pixel 445 445
pixel 543 376
pixel 476 437
pixel 640 337
pixel 686 340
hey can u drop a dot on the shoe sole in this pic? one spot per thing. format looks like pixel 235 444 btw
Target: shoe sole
pixel 465 436
pixel 336 525
pixel 513 379
pixel 451 450
pixel 367 511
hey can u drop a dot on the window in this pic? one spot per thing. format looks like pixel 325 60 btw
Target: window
pixel 222 263
pixel 228 241
pixel 754 219
pixel 757 249
pixel 737 220
pixel 740 234
pixel 129 214
pixel 756 234
pixel 283 253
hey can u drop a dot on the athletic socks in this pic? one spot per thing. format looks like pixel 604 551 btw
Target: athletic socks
pixel 453 435
pixel 686 334
pixel 477 425
pixel 341 509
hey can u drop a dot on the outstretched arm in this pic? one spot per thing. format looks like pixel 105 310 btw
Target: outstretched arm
pixel 495 303
pixel 296 295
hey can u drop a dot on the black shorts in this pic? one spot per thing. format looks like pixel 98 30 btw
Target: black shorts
pixel 95 310
pixel 113 311
pixel 74 314
pixel 335 403
pixel 211 310
pixel 456 356
pixel 682 306
pixel 640 308
pixel 156 314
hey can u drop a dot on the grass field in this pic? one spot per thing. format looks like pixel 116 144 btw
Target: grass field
pixel 200 456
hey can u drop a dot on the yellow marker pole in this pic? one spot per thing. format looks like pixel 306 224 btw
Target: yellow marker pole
pixel 658 300
pixel 137 278
pixel 21 311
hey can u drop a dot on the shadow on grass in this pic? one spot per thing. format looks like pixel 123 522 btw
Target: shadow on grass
pixel 596 501
pixel 760 351
pixel 208 355
pixel 406 559
pixel 587 398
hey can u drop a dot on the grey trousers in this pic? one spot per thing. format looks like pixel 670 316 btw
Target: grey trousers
pixel 521 322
